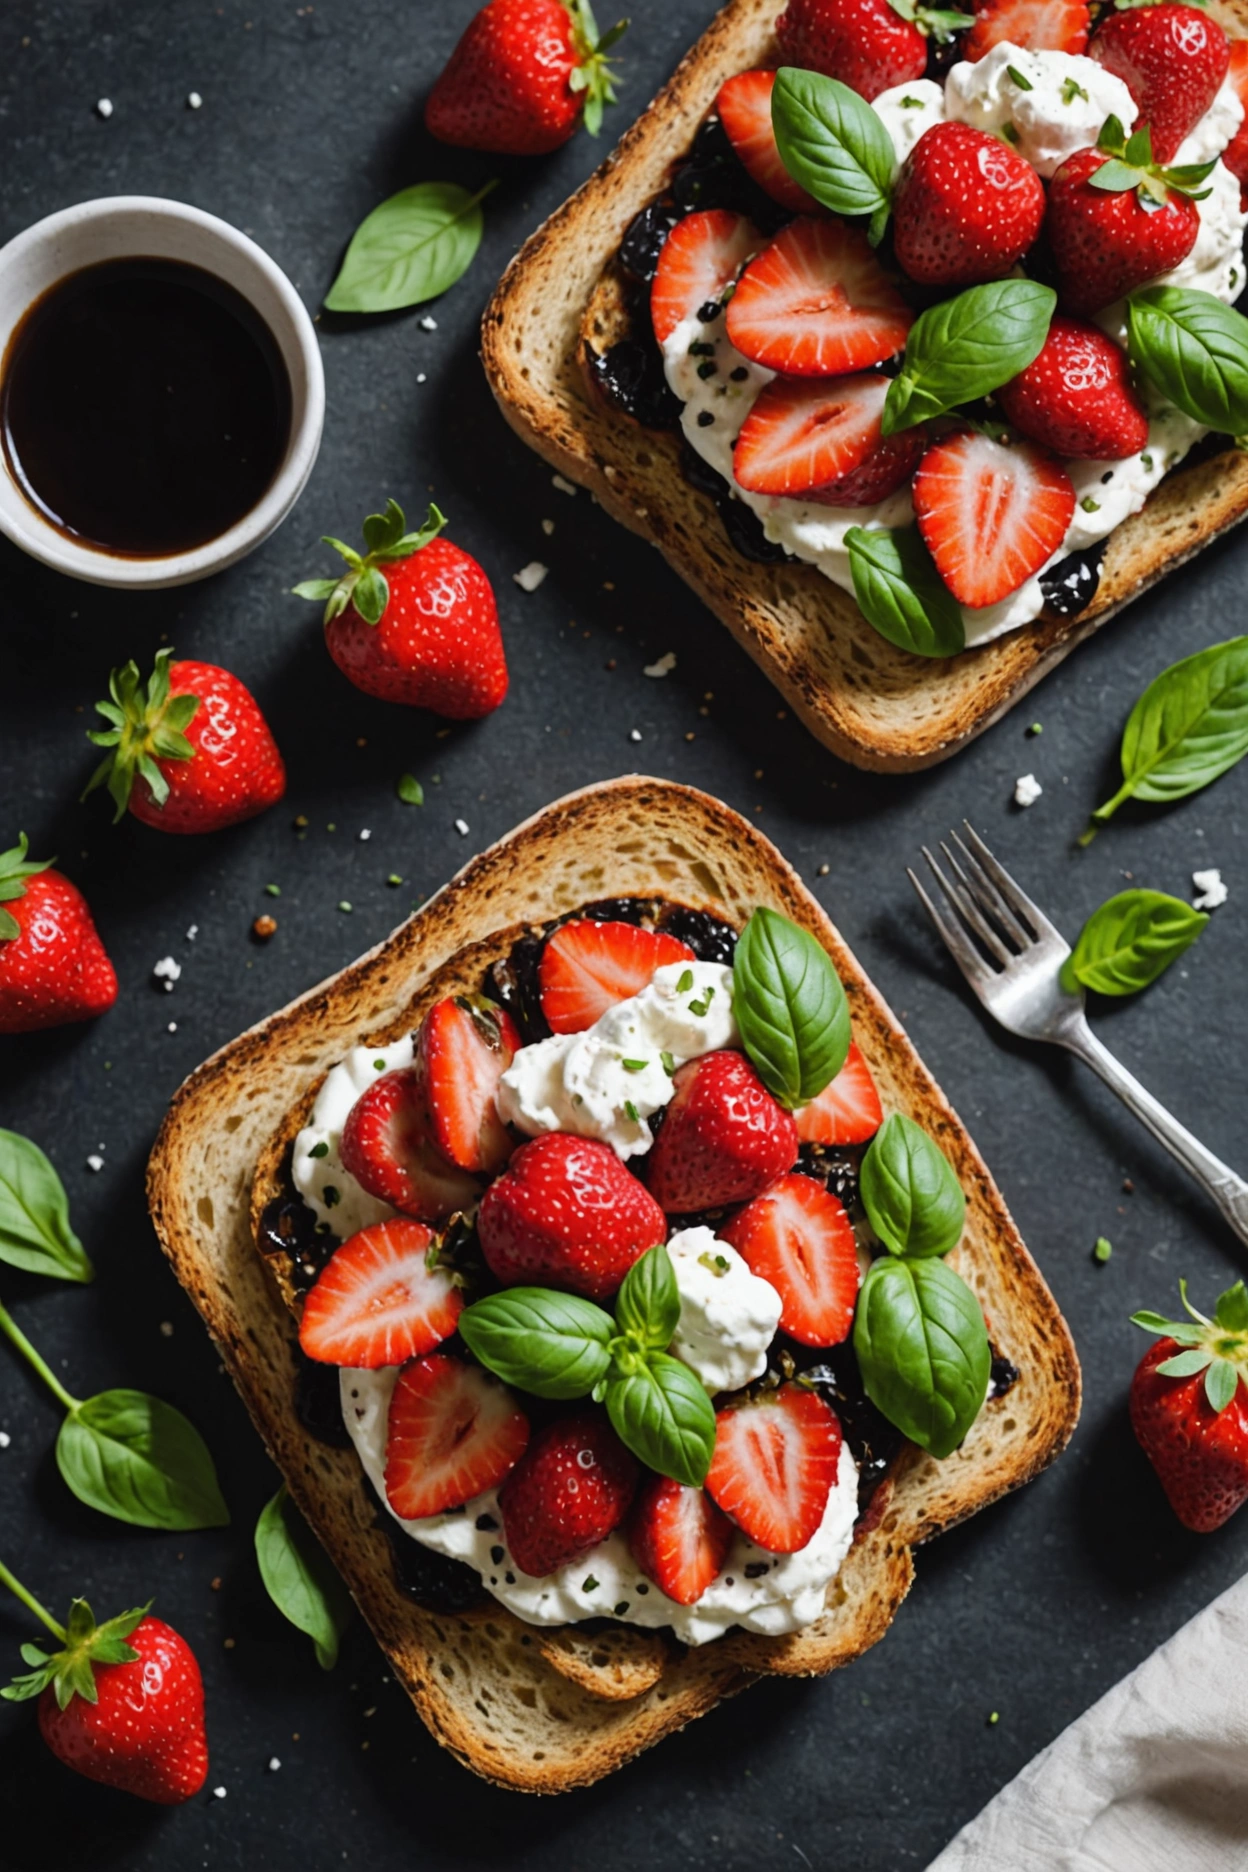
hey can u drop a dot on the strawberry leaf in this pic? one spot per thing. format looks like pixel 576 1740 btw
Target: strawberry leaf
pixel 148 721
pixel 15 868
pixel 363 583
pixel 1231 1311
pixel 71 1670
pixel 1221 1383
pixel 1184 1364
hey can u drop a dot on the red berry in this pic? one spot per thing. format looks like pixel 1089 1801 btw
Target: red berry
pixel 453 1431
pixel 588 967
pixel 744 108
pixel 462 1050
pixel 723 1139
pixel 966 207
pixel 1172 60
pixel 1235 155
pixel 698 261
pixel 774 1466
pixel 1077 397
pixel 821 441
pixel 797 1236
pixel 847 1111
pixel 865 43
pixel 990 514
pixel 387 1146
pixel 566 1213
pixel 1037 25
pixel 377 1301
pixel 1193 1424
pixel 571 1488
pixel 508 84
pixel 817 303
pixel 53 968
pixel 679 1538
pixel 1107 243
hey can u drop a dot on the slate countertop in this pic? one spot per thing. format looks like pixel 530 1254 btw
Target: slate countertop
pixel 310 116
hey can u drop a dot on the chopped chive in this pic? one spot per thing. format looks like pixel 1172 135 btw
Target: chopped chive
pixel 1008 133
pixel 1146 462
pixel 589 1583
pixel 1071 90
pixel 345 907
pixel 394 878
pixel 1024 84
pixel 630 1112
pixel 669 1064
pixel 330 1196
pixel 702 1007
pixel 685 983
pixel 913 103
pixel 379 1065
pixel 1103 1250
pixel 634 1065
pixel 319 1150
pixel 410 790
pixel 273 890
pixel 1089 505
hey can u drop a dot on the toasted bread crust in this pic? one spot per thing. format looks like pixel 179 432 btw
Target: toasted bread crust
pixel 874 705
pixel 543 1711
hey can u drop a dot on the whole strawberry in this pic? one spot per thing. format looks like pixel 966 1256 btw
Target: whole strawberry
pixel 1116 218
pixel 1189 1408
pixel 1235 155
pixel 566 1213
pixel 190 752
pixel 1172 60
pixel 966 209
pixel 121 1702
pixel 571 1488
pixel 1077 396
pixel 53 968
pixel 424 630
pixel 524 75
pixel 867 44
pixel 723 1140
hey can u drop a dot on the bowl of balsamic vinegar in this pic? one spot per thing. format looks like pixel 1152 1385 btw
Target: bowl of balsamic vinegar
pixel 161 392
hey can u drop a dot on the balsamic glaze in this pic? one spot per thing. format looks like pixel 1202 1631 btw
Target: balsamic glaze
pixel 318 1401
pixel 631 376
pixel 1004 1375
pixel 873 1441
pixel 289 1227
pixel 1070 586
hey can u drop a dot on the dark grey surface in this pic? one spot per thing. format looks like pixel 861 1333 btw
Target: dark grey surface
pixel 311 115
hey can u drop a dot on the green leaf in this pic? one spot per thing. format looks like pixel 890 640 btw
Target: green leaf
pixel 1184 1364
pixel 1131 940
pixel 912 1197
pixel 1221 1383
pixel 34 1214
pixel 300 1579
pixel 140 1460
pixel 1188 728
pixel 317 589
pixel 662 1413
pixel 966 346
pixel 1194 350
pixel 923 1350
pixel 410 790
pixel 370 594
pixel 1231 1311
pixel 648 1303
pixel 790 1007
pixel 411 248
pixel 833 144
pixel 901 594
pixel 553 1344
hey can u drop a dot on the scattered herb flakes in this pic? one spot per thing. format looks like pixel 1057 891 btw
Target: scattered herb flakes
pixel 319 1150
pixel 634 1065
pixel 410 790
pixel 685 983
pixel 272 890
pixel 1104 1248
pixel 668 1063
pixel 589 1584
pixel 331 1196
pixel 345 907
pixel 394 879
pixel 630 1112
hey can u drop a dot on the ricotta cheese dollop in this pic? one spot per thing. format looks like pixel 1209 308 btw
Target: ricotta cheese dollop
pixel 728 1316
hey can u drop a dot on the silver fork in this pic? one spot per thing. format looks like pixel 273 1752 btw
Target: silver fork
pixel 1021 987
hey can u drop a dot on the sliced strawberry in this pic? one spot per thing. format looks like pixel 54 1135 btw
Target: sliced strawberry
pixel 817 303
pixel 846 1112
pixel 588 967
pixel 1235 155
pixel 461 1051
pixel 1038 25
pixel 775 1465
pixel 797 1236
pixel 679 1538
pixel 700 259
pixel 453 1431
pixel 744 109
pixel 377 1301
pixel 386 1146
pixel 990 515
pixel 821 441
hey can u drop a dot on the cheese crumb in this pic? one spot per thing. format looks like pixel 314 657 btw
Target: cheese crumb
pixel 274 1764
pixel 94 1162
pixel 104 107
pixel 427 323
pixel 193 100
pixel 365 833
pixel 529 577
pixel 193 932
pixel 634 734
pixel 548 527
pixel 461 826
pixel 173 1027
pixel 218 1793
pixel 1212 891
pixel 663 667
pixel 1027 790
pixel 5 1439
pixel 167 972
pixel 422 376
pixel 564 486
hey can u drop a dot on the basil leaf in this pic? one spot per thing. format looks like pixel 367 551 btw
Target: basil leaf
pixel 834 144
pixel 1194 350
pixel 1130 941
pixel 1188 728
pixel 790 1007
pixel 662 1413
pixel 140 1460
pixel 922 1348
pixel 300 1579
pixel 413 247
pixel 901 594
pixel 553 1344
pixel 966 346
pixel 648 1303
pixel 34 1214
pixel 912 1197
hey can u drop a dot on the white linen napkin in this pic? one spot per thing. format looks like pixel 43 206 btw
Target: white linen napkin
pixel 1153 1778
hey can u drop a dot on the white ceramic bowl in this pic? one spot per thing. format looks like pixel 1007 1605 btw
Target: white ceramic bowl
pixel 116 227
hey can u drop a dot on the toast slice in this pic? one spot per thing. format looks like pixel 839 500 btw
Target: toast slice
pixel 537 1710
pixel 874 705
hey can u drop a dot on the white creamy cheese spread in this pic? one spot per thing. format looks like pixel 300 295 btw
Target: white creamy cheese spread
pixel 764 1592
pixel 728 1316
pixel 320 1178
pixel 1069 100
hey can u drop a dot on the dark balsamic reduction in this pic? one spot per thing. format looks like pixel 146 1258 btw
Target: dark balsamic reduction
pixel 144 406
pixel 630 375
pixel 289 1227
pixel 1003 1375
pixel 873 1441
pixel 318 1402
pixel 1070 586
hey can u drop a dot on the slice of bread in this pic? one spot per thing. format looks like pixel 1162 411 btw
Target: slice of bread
pixel 554 1709
pixel 874 705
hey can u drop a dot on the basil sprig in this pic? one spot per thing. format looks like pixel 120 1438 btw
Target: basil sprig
pixel 300 1579
pixel 834 145
pixel 901 594
pixel 559 1345
pixel 413 247
pixel 967 346
pixel 923 1351
pixel 912 1197
pixel 1130 941
pixel 1194 350
pixel 1188 728
pixel 790 1007
pixel 34 1214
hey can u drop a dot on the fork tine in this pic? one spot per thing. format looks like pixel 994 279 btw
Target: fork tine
pixel 1014 895
pixel 990 899
pixel 954 937
pixel 964 898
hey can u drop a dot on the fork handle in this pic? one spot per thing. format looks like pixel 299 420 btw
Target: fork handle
pixel 1229 1191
